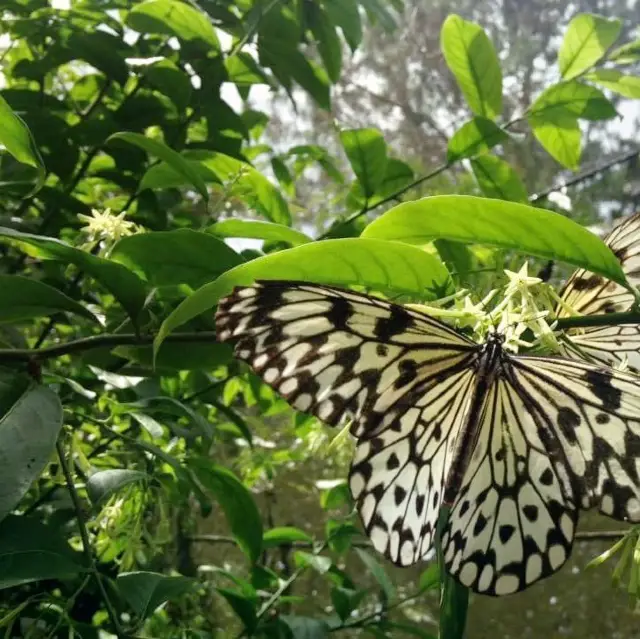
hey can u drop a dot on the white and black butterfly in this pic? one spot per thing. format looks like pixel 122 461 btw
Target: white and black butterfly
pixel 591 294
pixel 515 445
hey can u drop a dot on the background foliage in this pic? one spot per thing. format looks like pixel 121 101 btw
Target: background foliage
pixel 167 492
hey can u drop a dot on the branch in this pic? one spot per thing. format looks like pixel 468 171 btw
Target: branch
pixel 97 341
pixel 606 319
pixel 131 339
pixel 587 535
pixel 626 157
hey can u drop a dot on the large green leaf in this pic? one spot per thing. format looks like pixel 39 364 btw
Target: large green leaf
pixel 571 99
pixel 29 427
pixel 172 17
pixel 367 153
pixel 586 40
pixel 259 230
pixel 145 591
pixel 627 53
pixel 32 551
pixel 182 256
pixel 17 140
pixel 508 225
pixel 236 502
pixel 397 176
pixel 625 85
pixel 473 61
pixel 473 137
pixel 384 266
pixel 498 179
pixel 240 179
pixel 559 134
pixel 163 152
pixel 327 40
pixel 165 76
pixel 125 285
pixel 24 298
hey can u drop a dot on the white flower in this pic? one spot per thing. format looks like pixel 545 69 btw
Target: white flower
pixel 106 226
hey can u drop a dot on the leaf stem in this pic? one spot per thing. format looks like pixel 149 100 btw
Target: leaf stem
pixel 86 543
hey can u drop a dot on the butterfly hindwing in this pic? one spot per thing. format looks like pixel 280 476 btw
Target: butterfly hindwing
pixel 591 294
pixel 513 520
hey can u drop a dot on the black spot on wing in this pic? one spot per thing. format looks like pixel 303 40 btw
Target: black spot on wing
pixel 506 532
pixel 340 312
pixel 397 322
pixel 600 385
pixel 568 420
pixel 408 372
pixel 587 283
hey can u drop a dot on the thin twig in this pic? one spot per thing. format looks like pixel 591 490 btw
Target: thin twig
pixel 626 157
pixel 86 543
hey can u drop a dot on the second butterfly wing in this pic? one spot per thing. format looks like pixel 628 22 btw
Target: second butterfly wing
pixel 591 294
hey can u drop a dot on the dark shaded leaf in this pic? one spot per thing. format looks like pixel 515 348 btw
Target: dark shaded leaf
pixel 145 591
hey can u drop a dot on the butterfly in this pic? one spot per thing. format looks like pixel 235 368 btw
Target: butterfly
pixel 591 294
pixel 514 445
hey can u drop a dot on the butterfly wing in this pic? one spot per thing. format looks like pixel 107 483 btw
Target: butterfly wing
pixel 405 379
pixel 336 353
pixel 591 294
pixel 555 437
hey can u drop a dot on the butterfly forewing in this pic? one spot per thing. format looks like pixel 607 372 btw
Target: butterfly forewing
pixel 335 353
pixel 397 476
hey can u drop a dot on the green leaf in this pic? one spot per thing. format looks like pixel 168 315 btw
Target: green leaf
pixel 169 156
pixel 472 59
pixel 104 483
pixel 498 179
pixel 171 17
pixel 559 134
pixel 145 591
pixel 625 85
pixel 183 256
pixel 384 266
pixel 508 225
pixel 32 551
pixel 327 41
pixel 284 535
pixel 587 39
pixel 367 153
pixel 627 53
pixel 430 578
pixel 125 285
pixel 378 573
pixel 24 298
pixel 236 502
pixel 243 70
pixel 18 141
pixel 306 627
pixel 346 15
pixel 456 256
pixel 259 230
pixel 243 605
pixel 476 136
pixel 397 176
pixel 319 563
pixel 572 99
pixel 165 76
pixel 239 178
pixel 29 427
